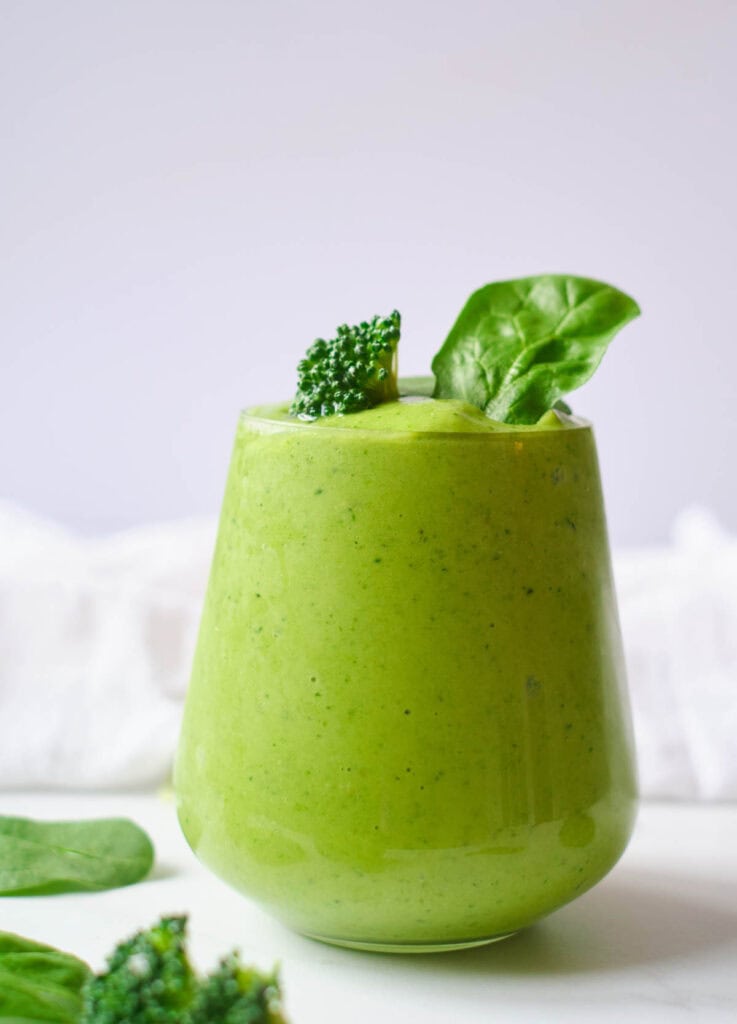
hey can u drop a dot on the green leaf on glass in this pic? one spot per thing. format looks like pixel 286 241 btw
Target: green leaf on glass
pixel 519 346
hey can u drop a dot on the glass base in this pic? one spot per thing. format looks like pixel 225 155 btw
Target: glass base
pixel 409 947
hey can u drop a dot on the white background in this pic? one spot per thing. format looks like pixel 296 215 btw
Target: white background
pixel 191 192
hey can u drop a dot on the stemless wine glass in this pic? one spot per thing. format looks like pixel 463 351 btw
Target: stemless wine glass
pixel 407 726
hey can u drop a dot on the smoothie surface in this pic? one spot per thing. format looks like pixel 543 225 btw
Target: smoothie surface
pixel 418 414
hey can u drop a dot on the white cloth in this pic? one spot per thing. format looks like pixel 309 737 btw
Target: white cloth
pixel 678 608
pixel 96 639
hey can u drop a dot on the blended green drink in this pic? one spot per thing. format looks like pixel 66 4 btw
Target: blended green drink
pixel 407 726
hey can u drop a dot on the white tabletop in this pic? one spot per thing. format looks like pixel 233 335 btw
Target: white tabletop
pixel 656 941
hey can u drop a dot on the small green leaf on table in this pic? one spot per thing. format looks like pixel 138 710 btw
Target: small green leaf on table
pixel 39 983
pixel 41 858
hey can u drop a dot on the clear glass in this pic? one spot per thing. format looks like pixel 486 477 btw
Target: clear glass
pixel 407 725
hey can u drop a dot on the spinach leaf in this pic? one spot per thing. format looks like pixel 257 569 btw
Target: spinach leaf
pixel 45 857
pixel 39 983
pixel 519 346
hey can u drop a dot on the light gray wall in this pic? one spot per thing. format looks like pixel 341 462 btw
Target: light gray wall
pixel 190 192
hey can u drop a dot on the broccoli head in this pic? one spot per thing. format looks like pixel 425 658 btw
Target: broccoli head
pixel 148 980
pixel 234 994
pixel 354 371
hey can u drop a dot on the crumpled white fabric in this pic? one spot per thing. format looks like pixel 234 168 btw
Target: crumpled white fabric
pixel 97 635
pixel 678 609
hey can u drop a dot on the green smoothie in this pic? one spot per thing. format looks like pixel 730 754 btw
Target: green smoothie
pixel 406 726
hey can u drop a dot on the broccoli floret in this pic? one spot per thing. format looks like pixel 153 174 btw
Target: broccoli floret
pixel 234 994
pixel 148 980
pixel 354 371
